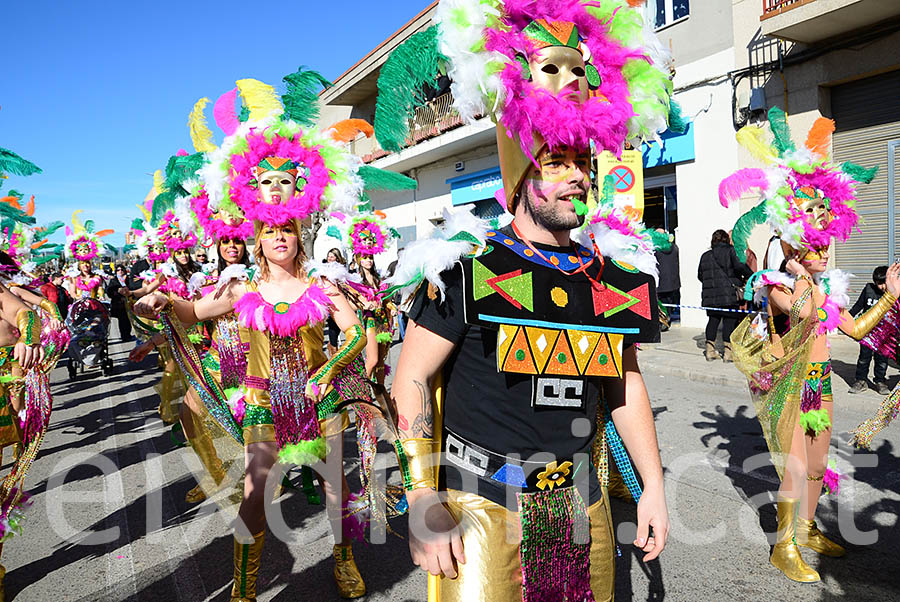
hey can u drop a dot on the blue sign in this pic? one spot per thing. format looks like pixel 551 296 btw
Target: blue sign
pixel 676 148
pixel 476 186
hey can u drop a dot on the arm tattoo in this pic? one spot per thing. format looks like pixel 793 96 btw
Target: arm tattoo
pixel 423 423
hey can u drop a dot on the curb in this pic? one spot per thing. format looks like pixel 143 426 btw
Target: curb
pixel 656 364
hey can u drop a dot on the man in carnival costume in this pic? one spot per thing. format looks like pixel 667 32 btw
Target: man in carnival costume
pixel 520 350
pixel 808 201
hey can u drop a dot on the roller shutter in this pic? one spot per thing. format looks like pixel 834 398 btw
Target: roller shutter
pixel 867 120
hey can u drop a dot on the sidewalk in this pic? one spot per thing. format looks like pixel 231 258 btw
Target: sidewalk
pixel 680 354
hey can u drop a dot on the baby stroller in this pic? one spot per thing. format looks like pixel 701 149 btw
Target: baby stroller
pixel 88 322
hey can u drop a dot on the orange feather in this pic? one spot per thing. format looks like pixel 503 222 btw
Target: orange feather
pixel 635 3
pixel 381 214
pixel 39 244
pixel 11 200
pixel 104 232
pixel 348 129
pixel 29 208
pixel 819 138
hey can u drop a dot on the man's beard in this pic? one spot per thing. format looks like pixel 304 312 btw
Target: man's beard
pixel 550 215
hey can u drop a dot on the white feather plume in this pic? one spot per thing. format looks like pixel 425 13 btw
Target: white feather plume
pixel 236 271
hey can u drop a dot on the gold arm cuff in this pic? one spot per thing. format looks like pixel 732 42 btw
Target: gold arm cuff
pixel 353 345
pixel 866 322
pixel 418 464
pixel 51 308
pixel 29 324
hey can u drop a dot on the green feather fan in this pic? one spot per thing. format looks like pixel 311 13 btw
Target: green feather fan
pixel 677 123
pixel 859 173
pixel 180 169
pixel 745 224
pixel 382 179
pixel 779 126
pixel 334 232
pixel 301 100
pixel 660 240
pixel 11 163
pixel 15 215
pixel 89 225
pixel 137 224
pixel 51 229
pixel 162 203
pixel 410 67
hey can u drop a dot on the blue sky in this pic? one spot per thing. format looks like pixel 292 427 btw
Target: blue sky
pixel 98 93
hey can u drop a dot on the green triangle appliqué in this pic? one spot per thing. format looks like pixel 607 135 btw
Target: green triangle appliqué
pixel 480 274
pixel 519 288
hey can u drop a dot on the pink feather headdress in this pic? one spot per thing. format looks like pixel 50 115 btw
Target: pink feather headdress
pixel 219 225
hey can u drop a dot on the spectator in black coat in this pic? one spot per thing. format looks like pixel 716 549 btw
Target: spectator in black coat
pixel 723 276
pixel 115 290
pixel 869 296
pixel 669 288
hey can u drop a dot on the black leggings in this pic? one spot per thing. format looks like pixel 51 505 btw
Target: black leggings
pixel 729 323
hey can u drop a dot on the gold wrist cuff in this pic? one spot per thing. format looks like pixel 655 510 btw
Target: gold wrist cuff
pixel 29 325
pixel 864 324
pixel 417 468
pixel 51 308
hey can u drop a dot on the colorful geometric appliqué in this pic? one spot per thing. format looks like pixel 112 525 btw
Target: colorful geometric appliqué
pixel 510 474
pixel 608 300
pixel 515 287
pixel 562 362
pixel 542 341
pixel 519 358
pixel 642 294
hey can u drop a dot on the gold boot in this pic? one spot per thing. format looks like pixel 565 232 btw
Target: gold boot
pixel 809 536
pixel 206 451
pixel 195 495
pixel 2 586
pixel 349 582
pixel 786 555
pixel 246 568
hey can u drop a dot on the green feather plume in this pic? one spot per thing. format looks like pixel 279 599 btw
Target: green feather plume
pixel 859 173
pixel 89 225
pixel 660 240
pixel 334 232
pixel 412 65
pixel 181 169
pixel 128 248
pixel 162 203
pixel 51 228
pixel 13 215
pixel 137 224
pixel 301 100
pixel 779 126
pixel 11 163
pixel 112 249
pixel 677 123
pixel 382 179
pixel 745 224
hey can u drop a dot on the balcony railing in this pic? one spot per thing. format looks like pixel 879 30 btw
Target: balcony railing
pixel 429 121
pixel 775 7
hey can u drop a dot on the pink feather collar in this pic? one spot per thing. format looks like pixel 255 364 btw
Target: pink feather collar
pixel 284 319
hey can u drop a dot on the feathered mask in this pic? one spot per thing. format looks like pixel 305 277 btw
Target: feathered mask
pixel 82 243
pixel 368 235
pixel 176 234
pixel 806 199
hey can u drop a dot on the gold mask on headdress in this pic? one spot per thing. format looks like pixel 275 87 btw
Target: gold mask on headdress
pixel 814 206
pixel 560 68
pixel 276 187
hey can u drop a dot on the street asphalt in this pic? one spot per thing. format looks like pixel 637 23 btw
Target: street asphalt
pixel 109 521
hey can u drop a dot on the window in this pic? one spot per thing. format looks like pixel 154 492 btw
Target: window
pixel 666 12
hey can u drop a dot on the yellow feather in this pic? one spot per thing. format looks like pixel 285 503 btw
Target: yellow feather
pixel 77 226
pixel 159 183
pixel 144 211
pixel 201 135
pixel 751 138
pixel 260 98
